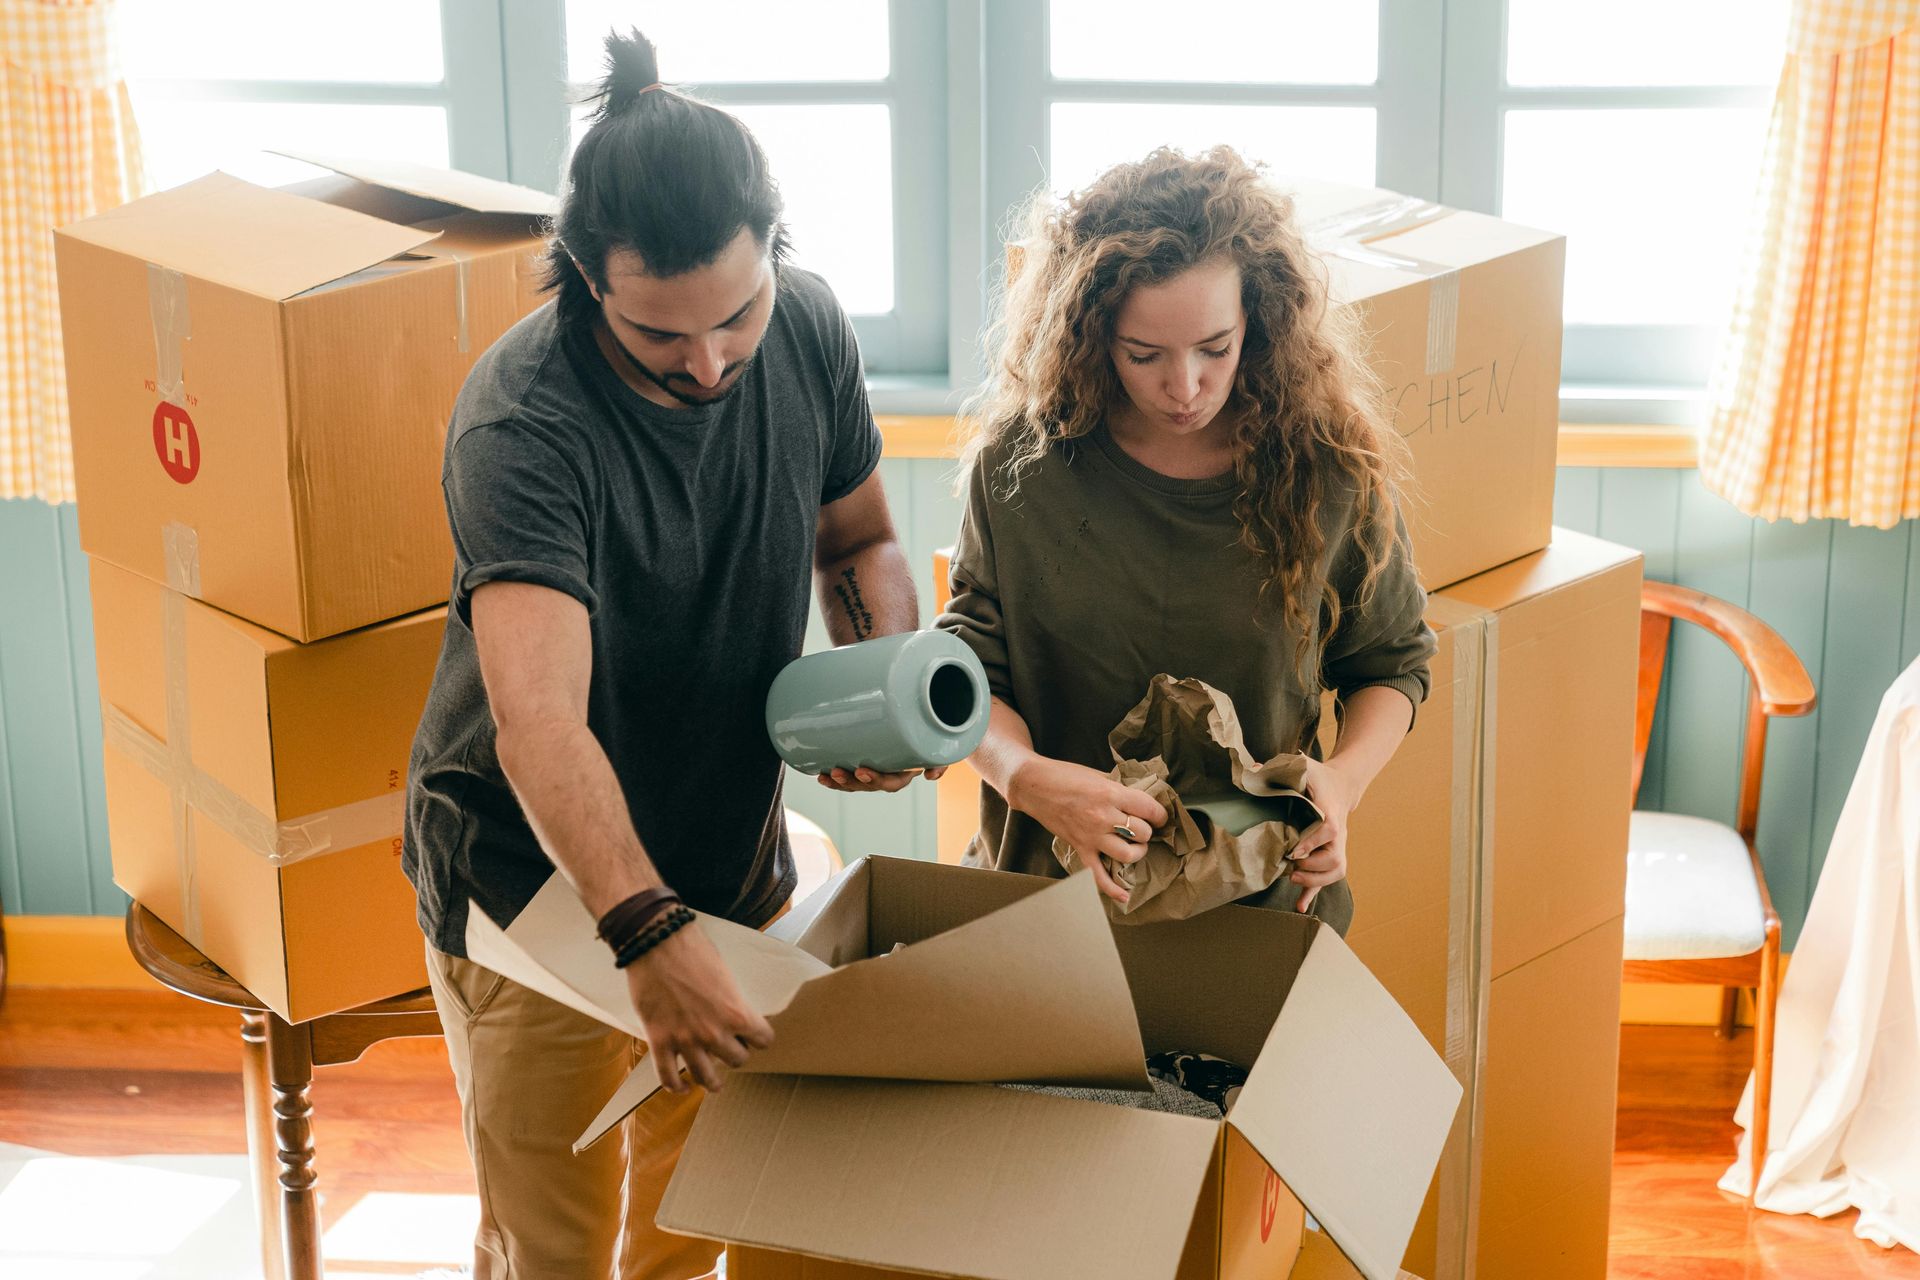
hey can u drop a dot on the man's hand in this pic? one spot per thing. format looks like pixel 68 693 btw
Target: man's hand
pixel 863 779
pixel 692 1011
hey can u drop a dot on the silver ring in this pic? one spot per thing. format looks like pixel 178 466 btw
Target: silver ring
pixel 1125 831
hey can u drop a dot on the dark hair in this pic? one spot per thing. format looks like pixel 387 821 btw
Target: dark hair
pixel 661 175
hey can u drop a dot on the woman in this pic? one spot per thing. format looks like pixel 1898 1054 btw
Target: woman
pixel 1182 467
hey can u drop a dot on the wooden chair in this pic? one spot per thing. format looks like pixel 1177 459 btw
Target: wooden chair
pixel 277 1062
pixel 1697 904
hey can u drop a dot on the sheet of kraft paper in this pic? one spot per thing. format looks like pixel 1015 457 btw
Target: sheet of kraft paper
pixel 1183 745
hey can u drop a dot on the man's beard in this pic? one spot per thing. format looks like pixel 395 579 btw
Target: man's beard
pixel 665 382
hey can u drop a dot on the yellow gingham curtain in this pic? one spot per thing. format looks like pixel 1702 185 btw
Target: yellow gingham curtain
pixel 1816 399
pixel 68 148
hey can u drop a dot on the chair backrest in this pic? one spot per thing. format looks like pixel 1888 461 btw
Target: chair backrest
pixel 1777 681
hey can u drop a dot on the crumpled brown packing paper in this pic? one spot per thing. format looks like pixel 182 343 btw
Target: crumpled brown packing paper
pixel 1183 745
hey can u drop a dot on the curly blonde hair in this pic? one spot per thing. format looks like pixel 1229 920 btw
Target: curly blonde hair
pixel 1310 434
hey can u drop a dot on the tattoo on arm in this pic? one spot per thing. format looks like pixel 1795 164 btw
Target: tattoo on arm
pixel 858 615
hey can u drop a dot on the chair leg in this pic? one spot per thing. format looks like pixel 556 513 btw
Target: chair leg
pixel 1729 1008
pixel 1763 1023
pixel 258 1104
pixel 290 1070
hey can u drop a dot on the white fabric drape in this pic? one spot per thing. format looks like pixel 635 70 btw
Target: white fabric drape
pixel 1846 1082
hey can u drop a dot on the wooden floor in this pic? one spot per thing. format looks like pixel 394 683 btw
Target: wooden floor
pixel 98 1073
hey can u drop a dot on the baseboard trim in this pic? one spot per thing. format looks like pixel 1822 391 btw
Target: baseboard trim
pixel 77 953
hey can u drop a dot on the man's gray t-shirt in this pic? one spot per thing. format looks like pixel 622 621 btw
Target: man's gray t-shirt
pixel 688 534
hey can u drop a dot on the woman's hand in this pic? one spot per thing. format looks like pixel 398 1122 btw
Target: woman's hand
pixel 1321 856
pixel 1087 809
pixel 864 779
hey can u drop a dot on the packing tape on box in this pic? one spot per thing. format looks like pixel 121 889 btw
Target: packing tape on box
pixel 180 553
pixel 1443 323
pixel 1476 682
pixel 1350 234
pixel 462 280
pixel 172 327
pixel 194 794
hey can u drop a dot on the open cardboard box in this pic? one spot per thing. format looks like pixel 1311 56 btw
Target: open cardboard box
pixel 260 380
pixel 874 1086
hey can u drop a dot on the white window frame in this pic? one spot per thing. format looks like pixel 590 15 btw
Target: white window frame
pixel 969 89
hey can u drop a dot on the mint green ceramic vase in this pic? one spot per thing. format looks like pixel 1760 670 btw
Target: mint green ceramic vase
pixel 911 701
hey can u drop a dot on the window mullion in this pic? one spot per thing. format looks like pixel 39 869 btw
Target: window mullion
pixel 917 75
pixel 1410 87
pixel 533 38
pixel 971 223
pixel 475 86
pixel 1473 71
pixel 1017 89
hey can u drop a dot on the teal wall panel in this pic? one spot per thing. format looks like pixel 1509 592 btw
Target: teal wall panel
pixel 52 814
pixel 1641 509
pixel 1576 499
pixel 1791 567
pixel 1847 600
pixel 1706 684
pixel 1866 605
pixel 1910 622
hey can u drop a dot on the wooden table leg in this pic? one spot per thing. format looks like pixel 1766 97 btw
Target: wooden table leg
pixel 290 1072
pixel 265 1168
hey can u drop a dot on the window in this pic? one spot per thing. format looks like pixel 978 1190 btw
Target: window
pixel 1635 127
pixel 906 132
pixel 246 76
pixel 1121 79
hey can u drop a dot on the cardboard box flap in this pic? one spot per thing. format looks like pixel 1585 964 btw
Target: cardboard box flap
pixel 1350 1106
pixel 1571 558
pixel 1032 992
pixel 551 947
pixel 449 186
pixel 949 1178
pixel 836 897
pixel 254 239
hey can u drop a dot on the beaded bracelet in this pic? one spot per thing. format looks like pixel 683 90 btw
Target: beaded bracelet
pixel 626 920
pixel 665 926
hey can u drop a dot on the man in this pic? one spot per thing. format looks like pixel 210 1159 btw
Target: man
pixel 641 478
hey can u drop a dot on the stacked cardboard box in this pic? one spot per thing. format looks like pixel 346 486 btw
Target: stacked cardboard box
pixel 1464 314
pixel 1489 875
pixel 259 384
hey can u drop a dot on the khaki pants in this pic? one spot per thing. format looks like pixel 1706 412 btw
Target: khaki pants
pixel 531 1074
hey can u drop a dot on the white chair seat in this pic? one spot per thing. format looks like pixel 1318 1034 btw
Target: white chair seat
pixel 1690 890
pixel 814 856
